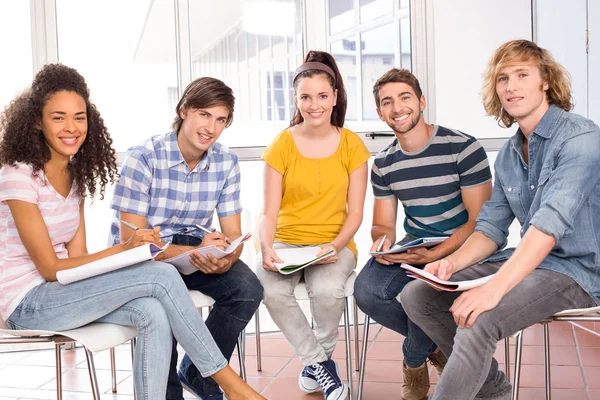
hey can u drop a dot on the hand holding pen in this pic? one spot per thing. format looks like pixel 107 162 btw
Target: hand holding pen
pixel 379 247
pixel 141 236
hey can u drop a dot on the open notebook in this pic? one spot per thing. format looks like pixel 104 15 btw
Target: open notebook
pixel 421 242
pixel 294 259
pixel 182 261
pixel 111 263
pixel 449 286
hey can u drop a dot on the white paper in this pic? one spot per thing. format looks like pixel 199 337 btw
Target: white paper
pixel 182 261
pixel 111 263
pixel 299 256
pixel 449 286
pixel 421 242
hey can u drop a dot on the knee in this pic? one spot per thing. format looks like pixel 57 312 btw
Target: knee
pixel 149 313
pixel 278 295
pixel 413 297
pixel 248 287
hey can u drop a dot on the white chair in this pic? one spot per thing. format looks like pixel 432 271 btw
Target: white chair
pixel 203 301
pixel 583 314
pixel 94 337
pixel 302 294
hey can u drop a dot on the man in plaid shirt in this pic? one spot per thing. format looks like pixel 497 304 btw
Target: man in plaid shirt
pixel 176 181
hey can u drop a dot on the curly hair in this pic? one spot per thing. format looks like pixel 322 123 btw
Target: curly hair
pixel 21 140
pixel 516 51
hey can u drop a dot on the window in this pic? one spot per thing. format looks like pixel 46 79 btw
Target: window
pixel 364 52
pixel 262 42
pixel 16 70
pixel 126 52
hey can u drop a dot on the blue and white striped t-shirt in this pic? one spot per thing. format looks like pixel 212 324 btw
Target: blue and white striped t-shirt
pixel 428 182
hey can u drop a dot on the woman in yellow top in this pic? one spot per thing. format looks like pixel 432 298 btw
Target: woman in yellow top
pixel 315 181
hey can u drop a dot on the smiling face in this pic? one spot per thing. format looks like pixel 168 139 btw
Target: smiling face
pixel 522 92
pixel 315 99
pixel 200 128
pixel 64 123
pixel 400 107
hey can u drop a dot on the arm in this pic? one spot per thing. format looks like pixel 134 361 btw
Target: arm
pixel 357 189
pixel 272 194
pixel 34 235
pixel 385 212
pixel 569 184
pixel 473 199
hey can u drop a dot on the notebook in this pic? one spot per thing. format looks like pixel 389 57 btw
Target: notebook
pixel 421 242
pixel 182 261
pixel 111 263
pixel 449 286
pixel 297 258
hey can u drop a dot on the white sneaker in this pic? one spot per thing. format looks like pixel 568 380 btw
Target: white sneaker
pixel 307 381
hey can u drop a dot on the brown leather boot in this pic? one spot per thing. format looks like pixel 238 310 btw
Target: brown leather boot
pixel 416 382
pixel 438 360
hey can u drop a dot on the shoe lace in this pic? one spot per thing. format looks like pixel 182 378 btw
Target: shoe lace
pixel 324 378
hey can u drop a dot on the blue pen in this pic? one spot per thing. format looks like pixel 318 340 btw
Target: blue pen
pixel 378 249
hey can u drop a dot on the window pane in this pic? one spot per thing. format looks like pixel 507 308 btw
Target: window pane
pixel 371 9
pixel 404 3
pixel 344 52
pixel 263 40
pixel 377 58
pixel 16 71
pixel 405 46
pixel 126 52
pixel 341 15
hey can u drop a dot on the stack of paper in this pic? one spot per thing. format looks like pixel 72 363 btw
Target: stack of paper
pixel 294 259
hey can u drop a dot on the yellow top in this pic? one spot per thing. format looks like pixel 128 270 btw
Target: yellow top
pixel 315 190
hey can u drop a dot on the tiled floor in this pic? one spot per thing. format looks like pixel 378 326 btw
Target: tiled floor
pixel 575 360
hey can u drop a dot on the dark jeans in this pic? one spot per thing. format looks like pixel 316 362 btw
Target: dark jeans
pixel 376 290
pixel 237 295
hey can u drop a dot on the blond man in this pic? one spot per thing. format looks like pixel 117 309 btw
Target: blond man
pixel 545 177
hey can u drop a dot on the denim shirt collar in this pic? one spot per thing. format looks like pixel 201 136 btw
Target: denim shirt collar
pixel 544 129
pixel 174 156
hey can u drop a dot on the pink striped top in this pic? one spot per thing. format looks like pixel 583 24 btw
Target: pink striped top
pixel 18 273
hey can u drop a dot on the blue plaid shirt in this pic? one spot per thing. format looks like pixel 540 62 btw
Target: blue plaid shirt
pixel 157 183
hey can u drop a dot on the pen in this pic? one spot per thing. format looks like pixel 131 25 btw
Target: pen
pixel 129 225
pixel 378 249
pixel 209 231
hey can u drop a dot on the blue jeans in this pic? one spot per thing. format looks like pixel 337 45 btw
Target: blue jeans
pixel 149 295
pixel 375 291
pixel 237 295
pixel 472 372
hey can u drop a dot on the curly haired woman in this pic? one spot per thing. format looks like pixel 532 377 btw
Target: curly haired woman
pixel 55 151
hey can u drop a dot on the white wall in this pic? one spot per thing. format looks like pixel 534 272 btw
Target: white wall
pixel 466 33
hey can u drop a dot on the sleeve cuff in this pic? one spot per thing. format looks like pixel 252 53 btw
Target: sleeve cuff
pixel 548 222
pixel 491 232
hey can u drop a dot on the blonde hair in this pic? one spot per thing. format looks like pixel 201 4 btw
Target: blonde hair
pixel 516 51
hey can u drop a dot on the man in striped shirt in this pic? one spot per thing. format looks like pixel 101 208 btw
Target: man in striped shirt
pixel 442 178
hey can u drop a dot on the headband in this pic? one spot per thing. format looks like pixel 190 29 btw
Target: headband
pixel 314 66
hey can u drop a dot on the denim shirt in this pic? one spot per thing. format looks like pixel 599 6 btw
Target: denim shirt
pixel 558 193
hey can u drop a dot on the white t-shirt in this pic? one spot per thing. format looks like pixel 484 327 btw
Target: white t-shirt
pixel 18 273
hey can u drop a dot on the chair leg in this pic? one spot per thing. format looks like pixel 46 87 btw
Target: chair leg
pixel 257 335
pixel 92 372
pixel 113 369
pixel 348 346
pixel 132 343
pixel 507 358
pixel 240 346
pixel 547 360
pixel 363 358
pixel 519 353
pixel 356 344
pixel 57 351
